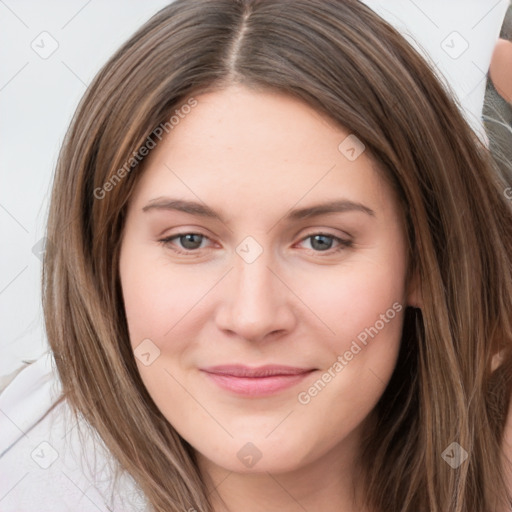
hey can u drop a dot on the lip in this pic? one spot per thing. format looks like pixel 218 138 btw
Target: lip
pixel 256 381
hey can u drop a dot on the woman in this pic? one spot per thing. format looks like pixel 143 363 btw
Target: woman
pixel 279 272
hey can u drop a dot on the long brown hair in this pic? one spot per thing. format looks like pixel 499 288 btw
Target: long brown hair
pixel 346 62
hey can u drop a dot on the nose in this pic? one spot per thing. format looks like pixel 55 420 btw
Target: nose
pixel 255 302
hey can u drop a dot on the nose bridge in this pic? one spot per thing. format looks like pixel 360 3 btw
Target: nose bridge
pixel 256 302
pixel 255 290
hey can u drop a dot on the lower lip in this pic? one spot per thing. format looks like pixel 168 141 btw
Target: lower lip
pixel 257 386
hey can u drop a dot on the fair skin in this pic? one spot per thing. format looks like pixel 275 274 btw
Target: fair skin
pixel 252 157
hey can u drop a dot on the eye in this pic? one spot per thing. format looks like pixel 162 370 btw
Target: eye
pixel 189 242
pixel 323 242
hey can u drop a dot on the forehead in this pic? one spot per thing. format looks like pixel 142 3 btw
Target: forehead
pixel 256 150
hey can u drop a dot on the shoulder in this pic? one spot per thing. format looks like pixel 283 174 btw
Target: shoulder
pixel 27 397
pixel 49 460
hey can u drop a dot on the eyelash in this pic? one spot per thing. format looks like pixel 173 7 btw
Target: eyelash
pixel 343 244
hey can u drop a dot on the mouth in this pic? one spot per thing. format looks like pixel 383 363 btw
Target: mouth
pixel 258 381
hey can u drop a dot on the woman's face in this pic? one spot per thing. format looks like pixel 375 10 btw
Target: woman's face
pixel 260 235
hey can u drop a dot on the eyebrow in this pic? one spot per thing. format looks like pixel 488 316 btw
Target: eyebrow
pixel 200 209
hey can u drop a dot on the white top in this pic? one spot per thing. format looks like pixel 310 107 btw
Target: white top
pixel 48 462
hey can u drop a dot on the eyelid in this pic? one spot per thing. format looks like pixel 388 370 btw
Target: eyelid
pixel 326 232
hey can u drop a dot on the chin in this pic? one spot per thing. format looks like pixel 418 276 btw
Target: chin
pixel 259 456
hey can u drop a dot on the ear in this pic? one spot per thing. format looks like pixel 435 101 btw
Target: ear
pixel 414 295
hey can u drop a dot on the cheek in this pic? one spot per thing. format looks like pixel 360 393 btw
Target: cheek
pixel 352 299
pixel 364 310
pixel 362 307
pixel 156 296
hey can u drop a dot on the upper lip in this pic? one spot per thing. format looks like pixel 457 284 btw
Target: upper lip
pixel 269 370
